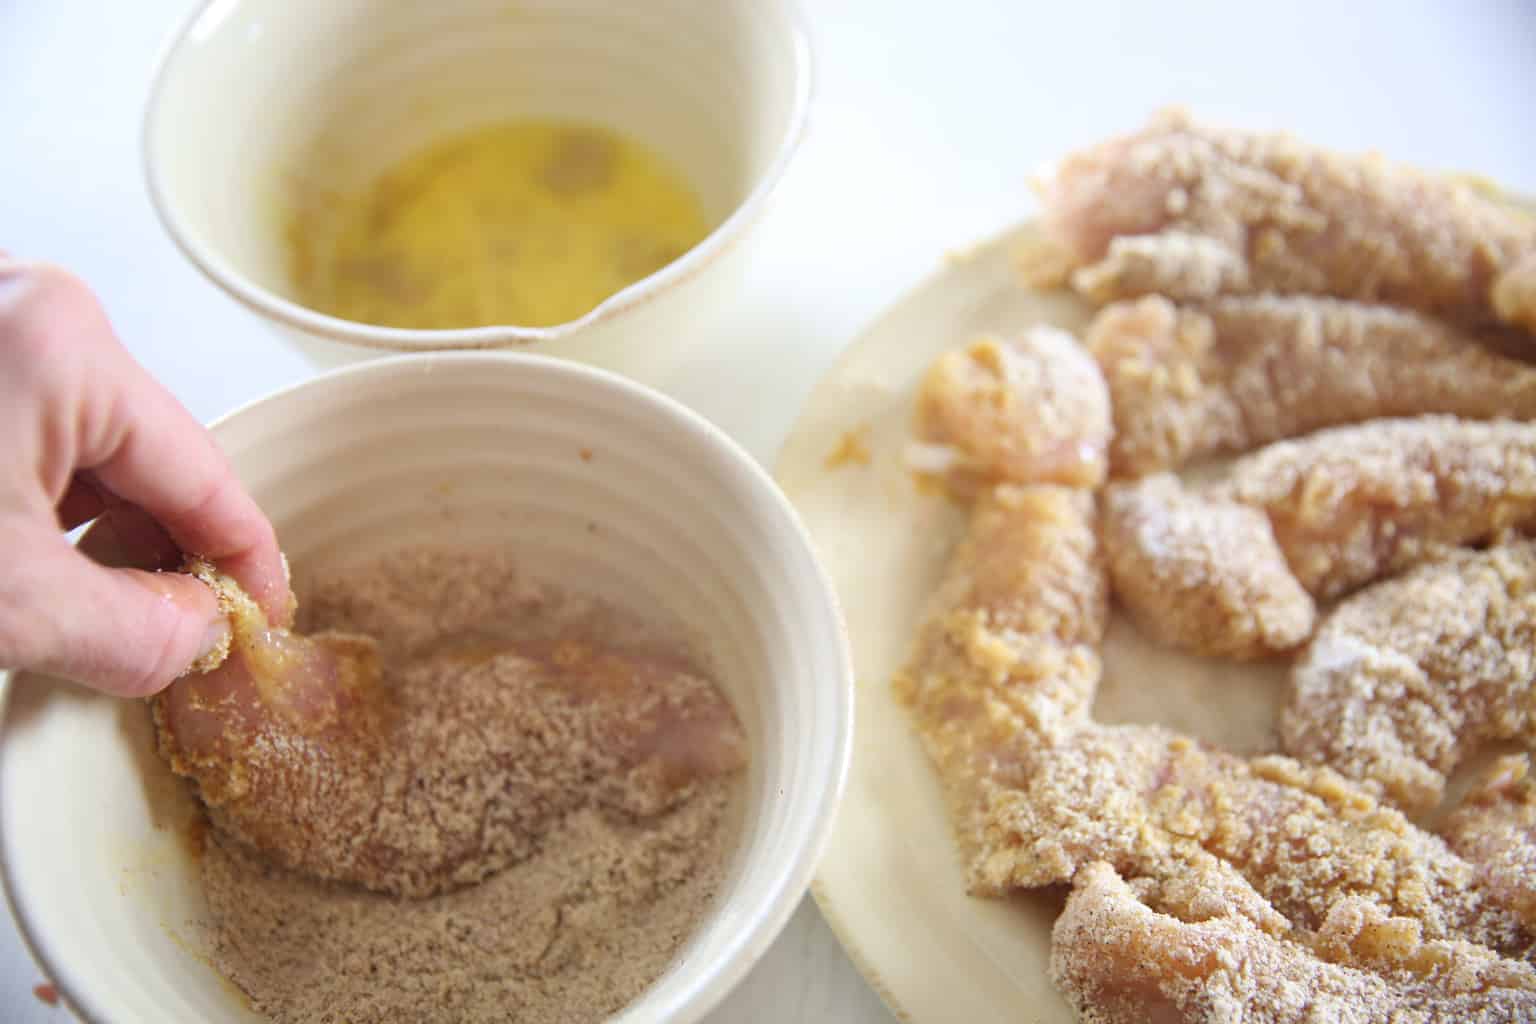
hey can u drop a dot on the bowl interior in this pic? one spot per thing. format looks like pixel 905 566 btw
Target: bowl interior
pixel 660 513
pixel 264 107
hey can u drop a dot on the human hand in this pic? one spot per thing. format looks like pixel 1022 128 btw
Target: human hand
pixel 86 432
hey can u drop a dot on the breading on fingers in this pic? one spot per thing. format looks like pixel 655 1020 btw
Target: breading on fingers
pixel 300 750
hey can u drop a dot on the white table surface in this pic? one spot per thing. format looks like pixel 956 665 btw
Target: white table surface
pixel 928 116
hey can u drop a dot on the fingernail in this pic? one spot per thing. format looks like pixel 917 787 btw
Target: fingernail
pixel 215 646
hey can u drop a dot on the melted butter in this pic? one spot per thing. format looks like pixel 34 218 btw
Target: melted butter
pixel 529 223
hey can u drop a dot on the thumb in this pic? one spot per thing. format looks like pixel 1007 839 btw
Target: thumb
pixel 122 631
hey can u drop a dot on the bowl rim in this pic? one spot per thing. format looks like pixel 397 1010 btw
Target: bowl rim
pixel 791 880
pixel 297 316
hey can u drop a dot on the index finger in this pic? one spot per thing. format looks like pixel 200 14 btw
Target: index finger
pixel 146 448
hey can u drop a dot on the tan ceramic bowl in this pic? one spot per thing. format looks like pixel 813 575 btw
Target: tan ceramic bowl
pixel 454 447
pixel 260 104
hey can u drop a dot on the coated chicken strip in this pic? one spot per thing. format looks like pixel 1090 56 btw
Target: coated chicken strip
pixel 1345 506
pixel 1235 373
pixel 1407 676
pixel 1154 804
pixel 1191 211
pixel 301 749
pixel 1010 647
pixel 1033 409
pixel 1353 504
pixel 1119 961
pixel 1200 574
pixel 1495 829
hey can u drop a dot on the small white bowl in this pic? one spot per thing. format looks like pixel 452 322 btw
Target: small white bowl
pixel 259 104
pixel 583 474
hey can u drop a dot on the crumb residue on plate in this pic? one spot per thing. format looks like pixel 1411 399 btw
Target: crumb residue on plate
pixel 852 449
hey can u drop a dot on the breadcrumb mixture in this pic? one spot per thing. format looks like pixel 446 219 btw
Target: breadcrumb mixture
pixel 553 787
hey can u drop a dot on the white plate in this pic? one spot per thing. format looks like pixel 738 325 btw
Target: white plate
pixel 891 883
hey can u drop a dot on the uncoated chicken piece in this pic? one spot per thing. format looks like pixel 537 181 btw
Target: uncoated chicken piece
pixel 1192 211
pixel 1231 374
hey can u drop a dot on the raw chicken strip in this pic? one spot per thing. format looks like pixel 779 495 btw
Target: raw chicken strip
pixel 300 749
pixel 1353 504
pixel 1191 211
pixel 1495 828
pixel 1409 675
pixel 1235 373
pixel 1200 574
pixel 1033 409
pixel 1118 961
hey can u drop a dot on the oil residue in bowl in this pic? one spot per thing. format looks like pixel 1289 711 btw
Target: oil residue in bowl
pixel 528 223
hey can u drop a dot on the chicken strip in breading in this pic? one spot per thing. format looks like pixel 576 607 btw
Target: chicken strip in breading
pixel 299 749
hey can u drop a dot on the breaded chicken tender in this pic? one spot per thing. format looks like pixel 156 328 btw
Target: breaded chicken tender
pixel 1495 829
pixel 1407 676
pixel 1353 504
pixel 1010 645
pixel 1231 374
pixel 1154 804
pixel 1030 409
pixel 1343 507
pixel 1191 211
pixel 1119 961
pixel 1201 574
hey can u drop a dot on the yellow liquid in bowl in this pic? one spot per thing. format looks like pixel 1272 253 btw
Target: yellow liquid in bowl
pixel 528 223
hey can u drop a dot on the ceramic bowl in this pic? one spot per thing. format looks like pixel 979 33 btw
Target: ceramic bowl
pixel 581 473
pixel 260 105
